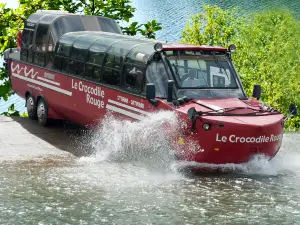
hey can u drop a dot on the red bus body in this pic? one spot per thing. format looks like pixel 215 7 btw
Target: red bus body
pixel 221 129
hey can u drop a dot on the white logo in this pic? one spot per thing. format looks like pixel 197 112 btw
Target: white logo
pixel 30 72
pixel 18 70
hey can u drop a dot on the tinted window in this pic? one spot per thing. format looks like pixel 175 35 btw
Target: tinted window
pixel 98 50
pixel 72 66
pixel 157 74
pixel 93 72
pixel 90 23
pixel 27 36
pixel 64 64
pixel 50 54
pixel 109 25
pixel 65 44
pixel 112 76
pixel 24 54
pixel 50 60
pixel 30 56
pixel 134 78
pixel 63 49
pixel 41 37
pixel 81 47
pixel 140 54
pixel 80 68
pixel 117 52
pixel 51 44
pixel 57 63
pixel 67 24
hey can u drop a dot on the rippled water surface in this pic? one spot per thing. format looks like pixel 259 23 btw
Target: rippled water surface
pixel 131 180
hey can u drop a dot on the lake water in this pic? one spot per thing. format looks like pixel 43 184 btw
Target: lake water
pixel 140 183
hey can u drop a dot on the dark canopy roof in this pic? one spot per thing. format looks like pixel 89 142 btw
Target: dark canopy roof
pixel 59 23
pixel 138 50
pixel 84 45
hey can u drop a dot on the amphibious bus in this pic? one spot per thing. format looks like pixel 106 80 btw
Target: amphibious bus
pixel 79 68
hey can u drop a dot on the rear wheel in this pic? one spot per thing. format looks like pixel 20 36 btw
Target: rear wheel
pixel 42 112
pixel 31 107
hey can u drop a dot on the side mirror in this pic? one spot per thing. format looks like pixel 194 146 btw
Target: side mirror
pixel 150 93
pixel 170 90
pixel 191 113
pixel 256 91
pixel 293 109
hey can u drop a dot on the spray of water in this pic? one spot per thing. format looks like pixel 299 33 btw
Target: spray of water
pixel 145 142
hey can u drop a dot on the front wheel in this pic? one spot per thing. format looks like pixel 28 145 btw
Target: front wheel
pixel 42 112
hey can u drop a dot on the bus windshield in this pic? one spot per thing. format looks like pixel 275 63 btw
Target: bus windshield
pixel 199 75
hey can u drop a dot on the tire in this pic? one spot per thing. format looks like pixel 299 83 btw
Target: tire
pixel 42 112
pixel 31 107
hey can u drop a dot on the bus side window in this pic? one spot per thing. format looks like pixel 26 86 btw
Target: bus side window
pixel 63 55
pixel 64 64
pixel 27 37
pixel 134 78
pixel 72 66
pixel 112 68
pixel 80 68
pixel 89 71
pixel 57 63
pixel 50 53
pixel 41 43
pixel 76 67
pixel 112 76
pixel 93 72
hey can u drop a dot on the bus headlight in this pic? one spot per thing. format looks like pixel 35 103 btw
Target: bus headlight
pixel 206 126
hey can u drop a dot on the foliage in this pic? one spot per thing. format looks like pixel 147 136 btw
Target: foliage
pixel 11 111
pixel 212 27
pixel 268 50
pixel 149 29
pixel 12 20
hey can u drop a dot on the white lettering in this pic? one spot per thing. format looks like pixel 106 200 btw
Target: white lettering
pixel 122 99
pixel 50 76
pixel 222 139
pixel 92 93
pixel 261 139
pixel 231 138
pixel 96 91
pixel 138 104
pixel 74 84
pixel 94 101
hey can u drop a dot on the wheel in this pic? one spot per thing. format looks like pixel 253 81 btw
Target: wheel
pixel 42 112
pixel 31 107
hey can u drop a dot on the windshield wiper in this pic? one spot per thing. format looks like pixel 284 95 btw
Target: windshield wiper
pixel 220 64
pixel 176 71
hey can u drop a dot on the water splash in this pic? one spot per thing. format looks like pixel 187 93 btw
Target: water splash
pixel 284 163
pixel 145 142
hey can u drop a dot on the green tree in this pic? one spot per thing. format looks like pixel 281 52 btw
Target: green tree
pixel 12 20
pixel 213 26
pixel 267 50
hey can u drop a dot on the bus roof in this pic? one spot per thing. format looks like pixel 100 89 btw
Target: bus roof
pixel 135 41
